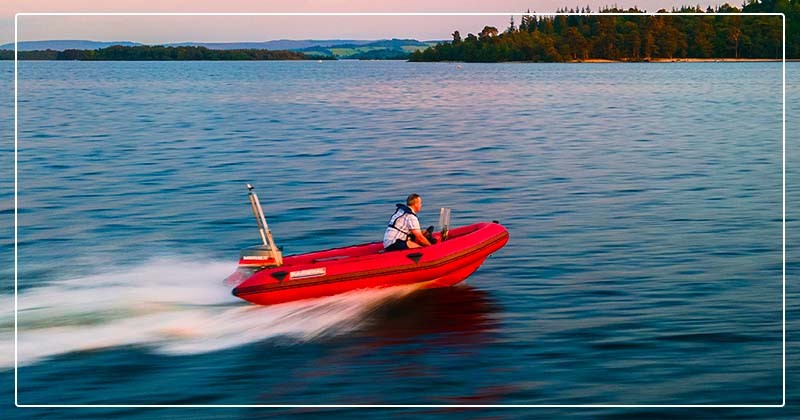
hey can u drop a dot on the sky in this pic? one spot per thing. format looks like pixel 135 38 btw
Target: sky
pixel 164 29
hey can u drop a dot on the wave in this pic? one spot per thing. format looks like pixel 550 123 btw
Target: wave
pixel 170 307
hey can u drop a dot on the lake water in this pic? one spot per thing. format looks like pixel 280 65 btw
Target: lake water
pixel 643 203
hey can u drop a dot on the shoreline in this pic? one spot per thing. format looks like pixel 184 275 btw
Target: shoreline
pixel 606 61
pixel 589 61
pixel 688 60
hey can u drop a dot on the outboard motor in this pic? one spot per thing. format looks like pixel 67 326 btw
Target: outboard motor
pixel 259 256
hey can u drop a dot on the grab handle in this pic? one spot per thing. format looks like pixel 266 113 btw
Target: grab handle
pixel 444 222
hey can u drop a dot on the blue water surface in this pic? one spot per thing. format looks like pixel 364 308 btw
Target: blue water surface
pixel 644 204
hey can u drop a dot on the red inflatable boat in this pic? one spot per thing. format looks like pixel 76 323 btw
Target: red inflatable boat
pixel 265 277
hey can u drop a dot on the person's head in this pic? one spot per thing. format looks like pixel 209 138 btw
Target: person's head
pixel 414 202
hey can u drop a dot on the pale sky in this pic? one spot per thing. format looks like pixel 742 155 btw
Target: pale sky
pixel 164 29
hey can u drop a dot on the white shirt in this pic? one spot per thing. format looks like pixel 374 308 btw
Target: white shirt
pixel 404 222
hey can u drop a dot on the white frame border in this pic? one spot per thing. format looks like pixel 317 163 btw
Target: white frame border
pixel 16 142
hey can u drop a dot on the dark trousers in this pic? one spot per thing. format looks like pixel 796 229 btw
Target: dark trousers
pixel 397 245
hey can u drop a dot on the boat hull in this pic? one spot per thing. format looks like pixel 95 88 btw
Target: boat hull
pixel 341 270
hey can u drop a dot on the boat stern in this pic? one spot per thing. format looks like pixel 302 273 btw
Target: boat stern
pixel 252 260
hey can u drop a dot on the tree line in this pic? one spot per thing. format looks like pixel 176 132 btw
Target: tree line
pixel 156 53
pixel 583 36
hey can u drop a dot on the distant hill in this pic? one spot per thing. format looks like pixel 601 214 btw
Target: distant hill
pixel 338 48
pixel 66 44
pixel 384 54
pixel 382 49
pixel 156 53
pixel 281 44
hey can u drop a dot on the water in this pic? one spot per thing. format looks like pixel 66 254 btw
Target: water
pixel 643 203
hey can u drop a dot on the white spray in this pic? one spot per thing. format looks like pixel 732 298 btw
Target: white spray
pixel 170 307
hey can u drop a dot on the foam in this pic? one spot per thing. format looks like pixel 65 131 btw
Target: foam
pixel 170 307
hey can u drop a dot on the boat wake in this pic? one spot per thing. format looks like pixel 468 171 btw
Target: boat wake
pixel 169 307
